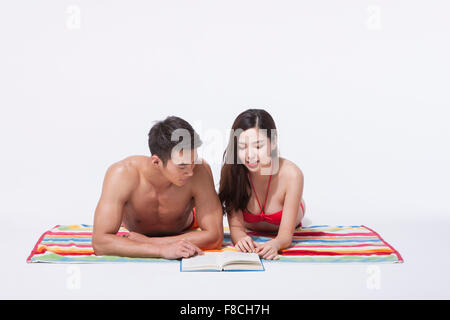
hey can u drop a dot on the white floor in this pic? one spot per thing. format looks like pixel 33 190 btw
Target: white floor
pixel 362 113
pixel 424 275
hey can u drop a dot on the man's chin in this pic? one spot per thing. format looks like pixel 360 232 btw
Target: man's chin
pixel 181 182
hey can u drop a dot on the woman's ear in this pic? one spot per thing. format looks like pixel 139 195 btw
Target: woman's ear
pixel 274 143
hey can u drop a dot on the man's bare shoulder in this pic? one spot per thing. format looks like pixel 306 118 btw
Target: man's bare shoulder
pixel 202 172
pixel 126 170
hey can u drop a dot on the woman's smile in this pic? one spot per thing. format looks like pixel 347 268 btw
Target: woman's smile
pixel 252 164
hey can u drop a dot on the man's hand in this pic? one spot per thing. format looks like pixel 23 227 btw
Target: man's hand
pixel 137 237
pixel 172 250
pixel 179 249
pixel 269 250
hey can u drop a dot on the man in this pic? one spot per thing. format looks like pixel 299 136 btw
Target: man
pixel 160 199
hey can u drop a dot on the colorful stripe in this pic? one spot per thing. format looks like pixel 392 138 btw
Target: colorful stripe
pixel 331 244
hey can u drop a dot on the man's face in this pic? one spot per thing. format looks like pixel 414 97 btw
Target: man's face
pixel 180 168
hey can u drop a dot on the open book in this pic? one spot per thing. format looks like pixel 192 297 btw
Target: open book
pixel 223 261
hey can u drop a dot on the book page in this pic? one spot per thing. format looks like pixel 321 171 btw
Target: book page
pixel 243 267
pixel 235 257
pixel 207 261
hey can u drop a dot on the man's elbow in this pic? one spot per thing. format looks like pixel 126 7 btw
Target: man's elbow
pixel 99 246
pixel 215 241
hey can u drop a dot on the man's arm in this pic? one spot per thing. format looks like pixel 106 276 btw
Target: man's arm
pixel 208 210
pixel 119 182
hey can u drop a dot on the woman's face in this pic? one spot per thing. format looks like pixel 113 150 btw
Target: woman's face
pixel 254 149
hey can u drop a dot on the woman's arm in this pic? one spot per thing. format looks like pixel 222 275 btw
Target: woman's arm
pixel 291 206
pixel 239 237
pixel 294 189
pixel 236 224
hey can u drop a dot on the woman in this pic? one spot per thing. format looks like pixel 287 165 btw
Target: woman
pixel 259 190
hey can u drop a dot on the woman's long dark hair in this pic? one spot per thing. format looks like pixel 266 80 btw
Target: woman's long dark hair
pixel 234 189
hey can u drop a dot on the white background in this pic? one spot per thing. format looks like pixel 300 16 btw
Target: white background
pixel 359 91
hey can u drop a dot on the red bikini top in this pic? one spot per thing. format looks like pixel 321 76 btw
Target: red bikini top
pixel 273 218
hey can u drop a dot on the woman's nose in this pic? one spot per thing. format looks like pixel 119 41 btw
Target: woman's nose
pixel 251 154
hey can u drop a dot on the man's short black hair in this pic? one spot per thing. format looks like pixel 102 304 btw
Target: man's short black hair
pixel 171 132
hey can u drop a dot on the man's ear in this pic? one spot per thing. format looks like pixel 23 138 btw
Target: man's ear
pixel 156 161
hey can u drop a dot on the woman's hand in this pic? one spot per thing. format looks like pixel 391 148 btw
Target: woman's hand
pixel 246 244
pixel 269 250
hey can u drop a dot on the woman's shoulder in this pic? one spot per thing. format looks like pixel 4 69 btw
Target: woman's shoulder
pixel 288 169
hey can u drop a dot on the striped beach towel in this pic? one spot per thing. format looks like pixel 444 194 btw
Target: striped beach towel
pixel 341 244
pixel 335 244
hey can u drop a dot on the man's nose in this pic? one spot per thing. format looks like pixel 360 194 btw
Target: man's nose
pixel 189 172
